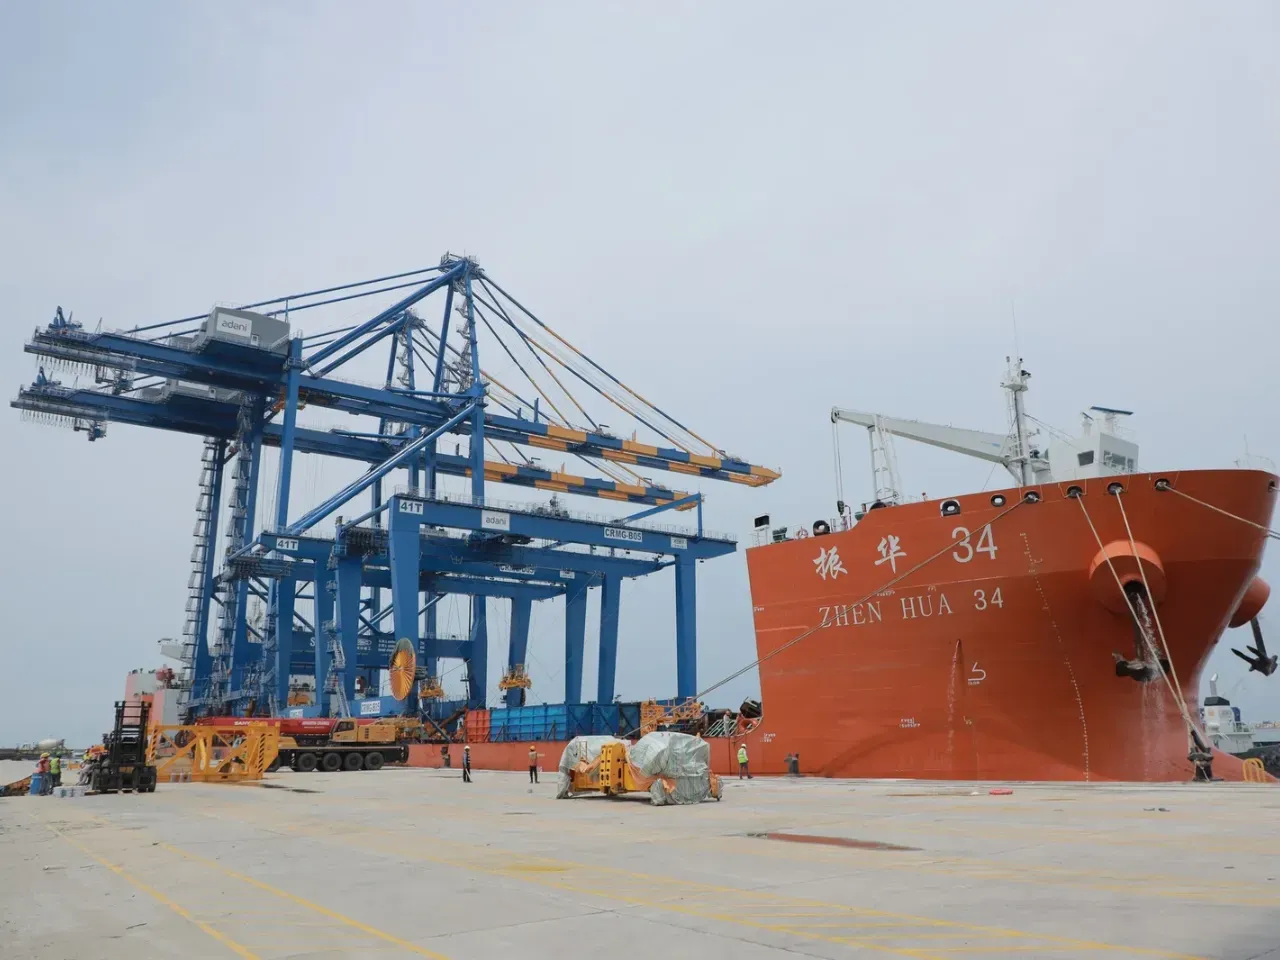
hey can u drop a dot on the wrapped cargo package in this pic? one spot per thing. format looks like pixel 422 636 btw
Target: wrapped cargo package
pixel 679 766
pixel 670 767
pixel 581 756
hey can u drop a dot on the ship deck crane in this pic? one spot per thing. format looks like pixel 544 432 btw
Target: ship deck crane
pixel 1009 449
pixel 1100 450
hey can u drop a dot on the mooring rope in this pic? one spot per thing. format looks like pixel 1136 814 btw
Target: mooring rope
pixel 835 611
pixel 1176 693
pixel 1164 486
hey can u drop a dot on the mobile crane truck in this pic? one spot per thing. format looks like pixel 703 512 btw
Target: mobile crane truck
pixel 333 743
pixel 346 744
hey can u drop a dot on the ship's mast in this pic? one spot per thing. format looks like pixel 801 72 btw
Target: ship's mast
pixel 1015 382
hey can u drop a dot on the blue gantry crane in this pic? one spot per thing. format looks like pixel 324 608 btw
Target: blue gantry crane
pixel 239 378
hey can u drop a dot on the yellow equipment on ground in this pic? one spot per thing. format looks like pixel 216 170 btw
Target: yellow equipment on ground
pixel 209 753
pixel 614 767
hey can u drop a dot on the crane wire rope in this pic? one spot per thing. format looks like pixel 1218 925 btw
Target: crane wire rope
pixel 551 374
pixel 507 350
pixel 481 314
pixel 512 410
pixel 563 420
pixel 620 404
pixel 516 412
pixel 616 401
pixel 633 393
pixel 432 349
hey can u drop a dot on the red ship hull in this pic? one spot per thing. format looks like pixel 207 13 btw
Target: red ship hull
pixel 994 659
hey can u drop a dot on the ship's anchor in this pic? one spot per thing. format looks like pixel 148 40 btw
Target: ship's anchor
pixel 1145 666
pixel 1265 665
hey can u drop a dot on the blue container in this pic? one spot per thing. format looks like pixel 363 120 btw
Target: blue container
pixel 543 721
pixel 37 781
pixel 628 719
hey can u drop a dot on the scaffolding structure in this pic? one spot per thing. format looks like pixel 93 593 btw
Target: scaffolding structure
pixel 239 377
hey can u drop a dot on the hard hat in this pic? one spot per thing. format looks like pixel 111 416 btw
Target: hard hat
pixel 43 755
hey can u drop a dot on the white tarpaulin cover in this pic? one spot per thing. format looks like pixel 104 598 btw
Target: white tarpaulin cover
pixel 672 767
pixel 674 759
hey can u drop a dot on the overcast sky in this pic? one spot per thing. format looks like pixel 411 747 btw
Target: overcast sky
pixel 749 214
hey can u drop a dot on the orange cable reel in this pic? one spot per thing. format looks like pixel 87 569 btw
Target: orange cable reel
pixel 403 668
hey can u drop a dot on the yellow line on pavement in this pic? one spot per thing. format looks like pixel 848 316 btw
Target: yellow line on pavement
pixel 548 872
pixel 119 871
pixel 302 902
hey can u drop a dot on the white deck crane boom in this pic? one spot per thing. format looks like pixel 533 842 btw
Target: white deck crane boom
pixel 993 447
pixel 1099 451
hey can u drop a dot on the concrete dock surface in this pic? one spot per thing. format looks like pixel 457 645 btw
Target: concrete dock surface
pixel 414 862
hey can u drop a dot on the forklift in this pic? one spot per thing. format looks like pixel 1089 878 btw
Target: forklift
pixel 122 764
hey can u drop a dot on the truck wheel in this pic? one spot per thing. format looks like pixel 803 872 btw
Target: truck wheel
pixel 332 762
pixel 306 762
pixel 353 761
pixel 373 761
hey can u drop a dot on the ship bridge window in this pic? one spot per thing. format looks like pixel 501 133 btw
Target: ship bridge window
pixel 1084 459
pixel 1117 461
pixel 950 508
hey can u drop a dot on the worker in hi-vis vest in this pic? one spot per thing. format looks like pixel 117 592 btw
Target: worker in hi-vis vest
pixel 533 764
pixel 742 762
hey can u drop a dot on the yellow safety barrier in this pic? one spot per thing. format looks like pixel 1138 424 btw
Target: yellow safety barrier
pixel 1254 771
pixel 208 753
